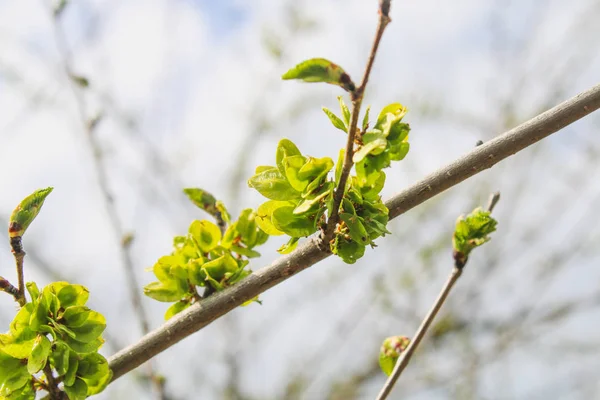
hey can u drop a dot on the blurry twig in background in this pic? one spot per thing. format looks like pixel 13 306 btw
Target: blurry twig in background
pixel 78 84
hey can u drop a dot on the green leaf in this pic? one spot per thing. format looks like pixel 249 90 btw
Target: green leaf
pixel 17 347
pixel 292 167
pixel 164 292
pixel 39 316
pixel 94 370
pixel 90 329
pixel 76 316
pixel 472 231
pixel 335 120
pixel 273 185
pixel 206 234
pixel 391 114
pixel 345 110
pixel 264 214
pixel 315 168
pixel 365 122
pixel 314 201
pixel 374 142
pixel 244 251
pixel 207 202
pixel 13 373
pixel 285 148
pixel 289 246
pixel 247 227
pixel 26 211
pixel 73 295
pixel 217 268
pixel 73 364
pixel 293 225
pixel 33 290
pixel 358 233
pixel 339 166
pixel 25 392
pixel 348 250
pixel 397 153
pixel 176 308
pixel 320 70
pixel 84 348
pixel 78 390
pixel 60 357
pixel 39 354
pixel 390 351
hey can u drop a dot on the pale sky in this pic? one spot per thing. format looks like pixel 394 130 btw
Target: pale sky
pixel 184 83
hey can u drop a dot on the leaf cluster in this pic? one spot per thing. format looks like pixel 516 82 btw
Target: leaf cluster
pixel 470 232
pixel 300 189
pixel 206 257
pixel 58 331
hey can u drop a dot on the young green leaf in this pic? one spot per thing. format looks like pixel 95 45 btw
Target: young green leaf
pixel 26 211
pixel 264 214
pixel 39 354
pixel 345 111
pixel 390 351
pixel 293 225
pixel 365 122
pixel 206 234
pixel 285 148
pixel 358 233
pixel 176 308
pixel 320 70
pixel 348 250
pixel 273 185
pixel 289 246
pixel 335 120
pixel 470 232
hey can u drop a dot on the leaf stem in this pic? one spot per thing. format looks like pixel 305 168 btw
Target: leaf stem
pixel 357 98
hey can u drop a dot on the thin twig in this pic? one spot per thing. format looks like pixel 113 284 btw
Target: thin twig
pixel 9 288
pixel 52 385
pixel 16 246
pixel 492 201
pixel 357 98
pixel 407 354
pixel 478 159
pixel 414 343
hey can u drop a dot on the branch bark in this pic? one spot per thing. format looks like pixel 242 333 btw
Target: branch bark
pixel 478 159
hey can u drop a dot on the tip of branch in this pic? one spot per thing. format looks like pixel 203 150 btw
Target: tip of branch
pixel 494 197
pixel 384 7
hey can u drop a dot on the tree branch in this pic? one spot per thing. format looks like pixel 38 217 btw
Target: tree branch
pixel 357 98
pixel 482 157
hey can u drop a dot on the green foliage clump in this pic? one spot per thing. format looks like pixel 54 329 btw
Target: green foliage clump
pixel 206 257
pixel 470 232
pixel 54 333
pixel 300 189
